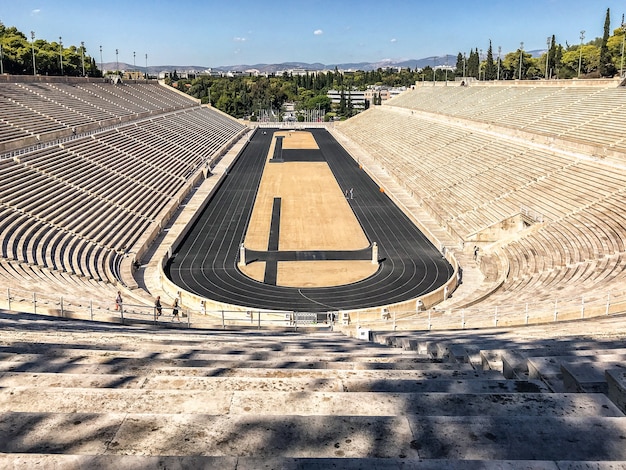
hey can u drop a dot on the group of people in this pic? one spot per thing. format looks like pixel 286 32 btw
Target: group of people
pixel 158 307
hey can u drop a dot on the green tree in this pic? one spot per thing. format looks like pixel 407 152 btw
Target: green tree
pixel 473 64
pixel 548 60
pixel 490 66
pixel 614 45
pixel 589 57
pixel 606 68
pixel 459 65
pixel 17 55
pixel 511 65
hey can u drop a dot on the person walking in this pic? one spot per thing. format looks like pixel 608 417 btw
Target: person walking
pixel 157 306
pixel 118 301
pixel 175 310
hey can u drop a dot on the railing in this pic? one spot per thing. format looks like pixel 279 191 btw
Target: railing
pixel 131 313
pixel 292 124
pixel 386 319
pixel 549 311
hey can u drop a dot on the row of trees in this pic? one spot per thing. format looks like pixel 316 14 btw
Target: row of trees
pixel 246 96
pixel 601 57
pixel 51 58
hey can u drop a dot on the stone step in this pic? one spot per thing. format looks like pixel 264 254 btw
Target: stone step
pixel 587 377
pixel 13 353
pixel 468 384
pixel 616 379
pixel 39 362
pixel 100 400
pixel 549 370
pixel 187 373
pixel 157 382
pixel 34 342
pixel 268 437
pixel 131 462
pixel 438 343
pixel 523 438
pixel 445 385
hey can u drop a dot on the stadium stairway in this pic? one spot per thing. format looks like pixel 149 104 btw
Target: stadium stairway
pixel 86 395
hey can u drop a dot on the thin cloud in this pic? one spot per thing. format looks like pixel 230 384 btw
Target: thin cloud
pixel 239 39
pixel 36 11
pixel 394 40
pixel 318 32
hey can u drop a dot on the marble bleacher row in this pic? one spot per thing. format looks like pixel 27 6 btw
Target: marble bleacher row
pixel 79 206
pixel 107 396
pixel 30 109
pixel 588 114
pixel 472 179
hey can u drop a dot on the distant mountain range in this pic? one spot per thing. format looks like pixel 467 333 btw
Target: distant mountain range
pixel 437 61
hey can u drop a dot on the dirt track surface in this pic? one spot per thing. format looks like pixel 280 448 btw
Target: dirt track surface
pixel 318 224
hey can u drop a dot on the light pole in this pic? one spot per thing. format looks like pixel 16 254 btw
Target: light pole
pixel 499 52
pixel 134 66
pixel 521 58
pixel 32 37
pixel 146 66
pixel 1 62
pixel 117 62
pixel 434 72
pixel 480 63
pixel 548 42
pixel 580 57
pixel 61 53
pixel 101 66
pixel 82 55
pixel 621 69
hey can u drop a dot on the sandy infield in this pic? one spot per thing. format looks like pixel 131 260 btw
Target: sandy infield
pixel 315 215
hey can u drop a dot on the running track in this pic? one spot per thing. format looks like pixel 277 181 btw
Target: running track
pixel 206 261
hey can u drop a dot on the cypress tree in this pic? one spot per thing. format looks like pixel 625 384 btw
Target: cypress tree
pixel 459 65
pixel 473 63
pixel 490 67
pixel 607 69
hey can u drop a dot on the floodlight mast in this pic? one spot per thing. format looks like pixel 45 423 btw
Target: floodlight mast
pixel 580 56
pixel 82 55
pixel 521 58
pixel 499 61
pixel 548 42
pixel 61 53
pixel 32 37
pixel 621 69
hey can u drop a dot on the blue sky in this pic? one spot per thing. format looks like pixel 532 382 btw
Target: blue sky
pixel 228 32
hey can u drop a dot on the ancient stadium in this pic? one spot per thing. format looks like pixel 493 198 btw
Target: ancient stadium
pixel 437 282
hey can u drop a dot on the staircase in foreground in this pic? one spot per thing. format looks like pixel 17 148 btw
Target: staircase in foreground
pixel 86 395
